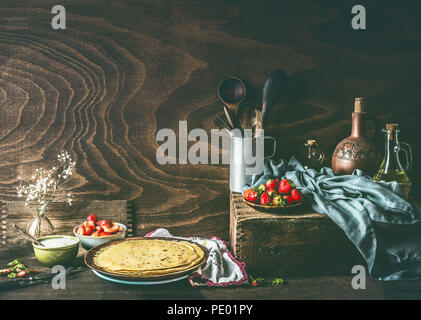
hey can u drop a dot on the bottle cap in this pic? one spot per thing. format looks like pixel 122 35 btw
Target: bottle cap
pixel 359 104
pixel 392 126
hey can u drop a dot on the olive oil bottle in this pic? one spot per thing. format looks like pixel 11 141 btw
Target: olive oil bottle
pixel 314 157
pixel 391 168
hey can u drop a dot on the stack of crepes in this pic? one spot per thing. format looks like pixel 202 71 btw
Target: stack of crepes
pixel 149 257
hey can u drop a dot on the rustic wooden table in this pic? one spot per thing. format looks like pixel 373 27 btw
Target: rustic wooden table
pixel 85 285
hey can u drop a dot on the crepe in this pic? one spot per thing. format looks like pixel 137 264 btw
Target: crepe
pixel 148 256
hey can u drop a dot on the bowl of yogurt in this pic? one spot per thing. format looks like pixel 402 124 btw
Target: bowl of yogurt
pixel 57 250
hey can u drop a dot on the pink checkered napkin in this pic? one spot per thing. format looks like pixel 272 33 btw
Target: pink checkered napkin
pixel 221 269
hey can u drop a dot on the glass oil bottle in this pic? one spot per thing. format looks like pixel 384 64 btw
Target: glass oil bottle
pixel 391 168
pixel 314 157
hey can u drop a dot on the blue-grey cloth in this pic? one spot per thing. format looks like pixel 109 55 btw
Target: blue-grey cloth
pixel 376 217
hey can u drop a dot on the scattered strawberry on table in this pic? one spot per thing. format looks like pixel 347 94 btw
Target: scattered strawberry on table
pixel 277 193
pixel 16 269
pixel 256 282
pixel 98 228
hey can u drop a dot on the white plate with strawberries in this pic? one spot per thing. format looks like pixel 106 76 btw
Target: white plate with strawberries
pixel 275 194
pixel 94 231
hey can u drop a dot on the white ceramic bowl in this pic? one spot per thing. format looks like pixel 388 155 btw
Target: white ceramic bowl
pixel 89 242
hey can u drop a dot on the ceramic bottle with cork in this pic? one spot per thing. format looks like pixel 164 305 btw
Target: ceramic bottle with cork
pixel 357 151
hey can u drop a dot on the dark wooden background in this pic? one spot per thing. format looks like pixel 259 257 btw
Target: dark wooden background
pixel 122 70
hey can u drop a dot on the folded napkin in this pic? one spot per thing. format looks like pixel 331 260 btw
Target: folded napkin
pixel 376 217
pixel 221 269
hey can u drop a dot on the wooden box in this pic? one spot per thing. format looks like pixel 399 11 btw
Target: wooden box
pixel 297 242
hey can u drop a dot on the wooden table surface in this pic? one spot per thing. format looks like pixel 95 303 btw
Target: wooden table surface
pixel 85 285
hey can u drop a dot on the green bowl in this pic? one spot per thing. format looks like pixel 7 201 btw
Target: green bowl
pixel 62 255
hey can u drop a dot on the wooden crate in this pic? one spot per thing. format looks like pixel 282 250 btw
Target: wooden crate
pixel 297 242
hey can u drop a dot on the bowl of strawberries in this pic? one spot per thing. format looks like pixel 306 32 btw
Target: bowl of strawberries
pixel 273 195
pixel 94 231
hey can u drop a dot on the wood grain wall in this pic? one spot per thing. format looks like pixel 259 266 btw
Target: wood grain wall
pixel 122 70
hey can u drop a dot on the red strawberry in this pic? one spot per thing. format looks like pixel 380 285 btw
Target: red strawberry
pixel 270 184
pixel 295 195
pixel 96 234
pixel 5 271
pixel 89 224
pixel 245 193
pixel 285 186
pixel 81 230
pixel 265 199
pixel 102 223
pixel 254 283
pixel 250 195
pixel 288 198
pixel 22 273
pixel 110 230
pixel 88 231
pixel 271 192
pixel 278 201
pixel 91 217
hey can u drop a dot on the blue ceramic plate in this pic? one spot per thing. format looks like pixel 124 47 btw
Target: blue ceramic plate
pixel 142 283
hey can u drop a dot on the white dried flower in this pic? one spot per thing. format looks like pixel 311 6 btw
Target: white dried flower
pixel 44 189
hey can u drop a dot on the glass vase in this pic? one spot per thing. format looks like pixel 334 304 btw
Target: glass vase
pixel 40 226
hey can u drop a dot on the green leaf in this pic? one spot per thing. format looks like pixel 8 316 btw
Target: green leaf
pixel 277 281
pixel 259 279
pixel 19 266
pixel 14 262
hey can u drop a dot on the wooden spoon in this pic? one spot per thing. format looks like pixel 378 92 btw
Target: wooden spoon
pixel 28 235
pixel 223 122
pixel 231 91
pixel 249 117
pixel 225 125
pixel 259 123
pixel 232 120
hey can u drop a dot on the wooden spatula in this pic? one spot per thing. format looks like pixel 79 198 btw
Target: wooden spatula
pixel 273 89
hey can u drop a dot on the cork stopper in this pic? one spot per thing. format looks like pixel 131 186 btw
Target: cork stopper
pixel 311 142
pixel 359 105
pixel 392 126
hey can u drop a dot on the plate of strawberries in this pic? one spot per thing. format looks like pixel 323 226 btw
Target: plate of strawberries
pixel 274 194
